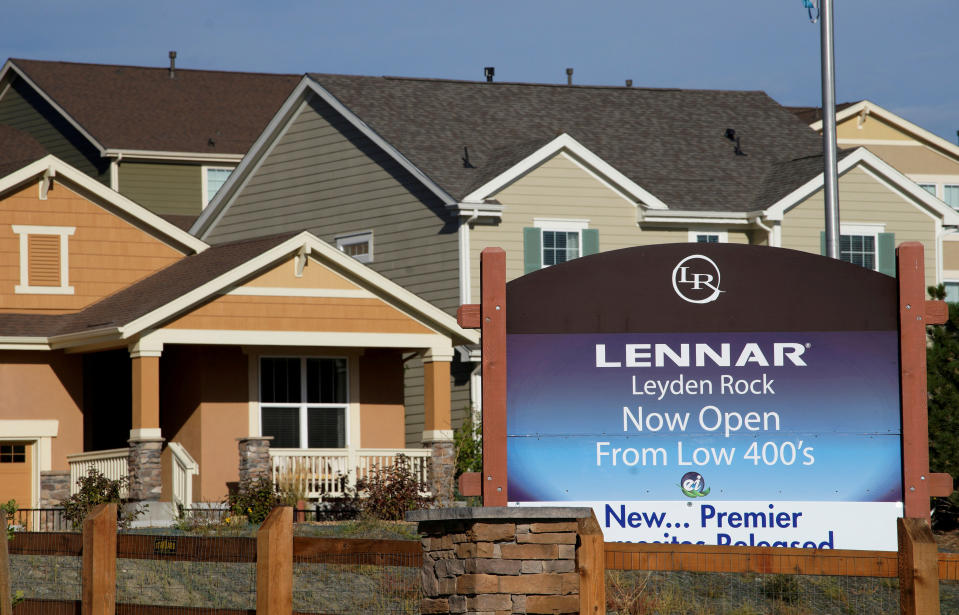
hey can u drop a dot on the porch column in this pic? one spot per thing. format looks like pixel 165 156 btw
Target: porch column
pixel 146 444
pixel 437 428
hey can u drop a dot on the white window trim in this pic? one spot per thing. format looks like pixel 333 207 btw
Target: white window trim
pixel 352 239
pixel 204 184
pixel 866 229
pixel 562 225
pixel 693 232
pixel 24 288
pixel 347 407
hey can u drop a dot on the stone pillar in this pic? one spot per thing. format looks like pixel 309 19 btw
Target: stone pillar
pixel 144 465
pixel 437 427
pixel 54 488
pixel 145 469
pixel 254 457
pixel 503 560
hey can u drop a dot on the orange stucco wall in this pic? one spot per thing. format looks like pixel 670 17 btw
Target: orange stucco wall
pixel 106 253
pixel 203 406
pixel 382 418
pixel 45 385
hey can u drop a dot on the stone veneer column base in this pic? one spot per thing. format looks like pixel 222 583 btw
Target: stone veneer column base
pixel 254 457
pixel 500 560
pixel 54 488
pixel 442 471
pixel 145 469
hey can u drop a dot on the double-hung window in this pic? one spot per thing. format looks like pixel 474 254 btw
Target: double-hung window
pixel 213 180
pixel 866 245
pixel 303 401
pixel 552 242
pixel 950 194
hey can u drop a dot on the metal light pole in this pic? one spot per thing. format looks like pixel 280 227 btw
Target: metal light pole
pixel 830 164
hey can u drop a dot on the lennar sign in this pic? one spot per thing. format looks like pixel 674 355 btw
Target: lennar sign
pixel 719 394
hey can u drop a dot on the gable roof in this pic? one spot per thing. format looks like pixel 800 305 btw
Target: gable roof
pixel 135 108
pixel 670 143
pixel 196 279
pixel 50 165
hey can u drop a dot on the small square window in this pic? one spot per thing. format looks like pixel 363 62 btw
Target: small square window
pixel 13 453
pixel 213 180
pixel 358 245
pixel 708 236
pixel 559 246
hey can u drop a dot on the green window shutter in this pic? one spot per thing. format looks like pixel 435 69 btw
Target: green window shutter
pixel 822 243
pixel 532 250
pixel 590 241
pixel 886 254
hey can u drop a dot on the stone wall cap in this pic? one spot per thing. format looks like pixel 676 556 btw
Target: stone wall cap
pixel 500 512
pixel 254 438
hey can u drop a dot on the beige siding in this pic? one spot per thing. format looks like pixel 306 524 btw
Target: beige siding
pixel 22 108
pixel 561 189
pixel 326 177
pixel 862 199
pixel 871 128
pixel 916 159
pixel 163 188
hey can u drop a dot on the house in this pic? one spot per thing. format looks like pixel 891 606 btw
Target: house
pixel 129 345
pixel 927 159
pixel 166 138
pixel 416 176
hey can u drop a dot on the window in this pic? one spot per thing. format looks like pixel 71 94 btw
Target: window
pixel 708 236
pixel 858 250
pixel 213 180
pixel 551 242
pixel 952 292
pixel 13 453
pixel 866 245
pixel 303 401
pixel 930 188
pixel 358 245
pixel 44 263
pixel 950 194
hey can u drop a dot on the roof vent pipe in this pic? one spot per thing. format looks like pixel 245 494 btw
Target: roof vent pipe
pixel 489 71
pixel 569 76
pixel 629 83
pixel 172 64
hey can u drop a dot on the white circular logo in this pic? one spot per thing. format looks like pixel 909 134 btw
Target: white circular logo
pixel 696 279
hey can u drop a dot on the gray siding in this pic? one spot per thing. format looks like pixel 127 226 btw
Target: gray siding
pixel 163 188
pixel 326 177
pixel 413 383
pixel 22 108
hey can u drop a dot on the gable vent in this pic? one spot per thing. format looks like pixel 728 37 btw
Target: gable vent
pixel 43 260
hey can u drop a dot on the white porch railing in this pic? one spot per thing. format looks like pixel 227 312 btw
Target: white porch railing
pixel 330 472
pixel 183 468
pixel 111 463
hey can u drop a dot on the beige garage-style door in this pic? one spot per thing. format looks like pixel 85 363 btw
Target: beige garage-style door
pixel 16 472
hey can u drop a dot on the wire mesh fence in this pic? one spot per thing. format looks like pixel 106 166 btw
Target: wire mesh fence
pixel 45 569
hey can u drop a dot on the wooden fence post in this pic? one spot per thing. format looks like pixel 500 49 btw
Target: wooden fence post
pixel 274 563
pixel 99 577
pixel 918 568
pixel 591 565
pixel 6 597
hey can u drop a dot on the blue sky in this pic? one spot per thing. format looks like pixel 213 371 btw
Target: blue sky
pixel 901 55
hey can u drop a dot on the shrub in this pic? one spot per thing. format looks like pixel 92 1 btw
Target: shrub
pixel 9 510
pixel 468 441
pixel 95 488
pixel 942 368
pixel 254 498
pixel 392 490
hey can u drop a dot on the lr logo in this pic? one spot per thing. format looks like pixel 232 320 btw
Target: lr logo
pixel 696 279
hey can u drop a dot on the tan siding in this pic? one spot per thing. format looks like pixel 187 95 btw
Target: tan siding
pixel 235 312
pixel 25 110
pixel 314 275
pixel 862 199
pixel 918 160
pixel 871 128
pixel 105 252
pixel 326 177
pixel 163 188
pixel 950 255
pixel 561 189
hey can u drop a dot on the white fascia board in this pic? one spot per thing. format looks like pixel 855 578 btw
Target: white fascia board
pixel 63 170
pixel 918 132
pixel 95 337
pixel 700 217
pixel 146 154
pixel 11 66
pixel 486 210
pixel 24 343
pixel 568 143
pixel 422 310
pixel 888 173
pixel 248 165
pixel 300 338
